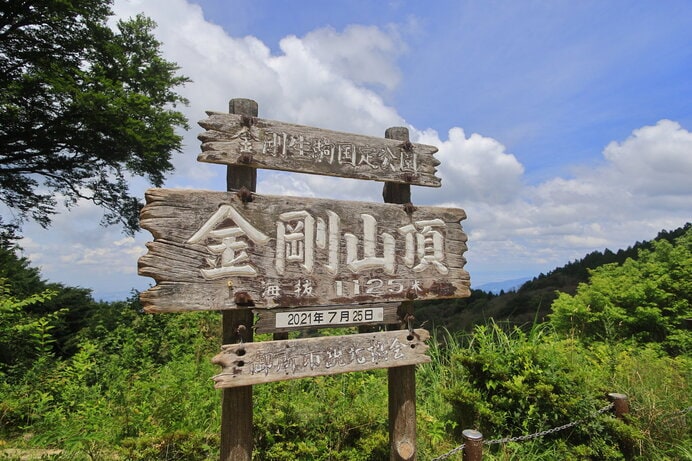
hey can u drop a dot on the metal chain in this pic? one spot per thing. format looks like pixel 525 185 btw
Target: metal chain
pixel 523 438
pixel 676 414
pixel 458 449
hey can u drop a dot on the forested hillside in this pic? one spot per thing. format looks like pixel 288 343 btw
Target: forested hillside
pixel 97 381
pixel 532 301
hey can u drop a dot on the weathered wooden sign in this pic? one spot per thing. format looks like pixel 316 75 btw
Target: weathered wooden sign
pixel 235 139
pixel 282 320
pixel 254 363
pixel 217 250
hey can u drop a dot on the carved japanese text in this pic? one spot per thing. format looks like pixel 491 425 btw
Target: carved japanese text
pixel 232 139
pixel 291 251
pixel 297 240
pixel 253 363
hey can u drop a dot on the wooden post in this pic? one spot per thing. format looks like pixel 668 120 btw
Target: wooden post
pixel 473 445
pixel 395 192
pixel 236 403
pixel 401 380
pixel 621 404
pixel 239 176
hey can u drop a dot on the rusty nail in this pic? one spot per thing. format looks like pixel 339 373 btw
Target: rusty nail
pixel 240 332
pixel 409 208
pixel 247 121
pixel 245 158
pixel 406 145
pixel 245 195
pixel 242 298
pixel 409 319
pixel 408 177
pixel 411 294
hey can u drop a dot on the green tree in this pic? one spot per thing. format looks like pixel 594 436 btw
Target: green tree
pixel 648 299
pixel 22 279
pixel 83 107
pixel 76 305
pixel 23 338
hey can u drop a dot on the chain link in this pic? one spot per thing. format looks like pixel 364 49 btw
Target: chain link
pixel 458 449
pixel 679 412
pixel 523 438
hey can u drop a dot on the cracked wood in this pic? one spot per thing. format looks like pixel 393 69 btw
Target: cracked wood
pixel 233 139
pixel 269 361
pixel 210 248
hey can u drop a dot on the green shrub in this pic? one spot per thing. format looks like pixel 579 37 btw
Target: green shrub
pixel 176 445
pixel 508 384
pixel 340 417
pixel 647 300
pixel 659 397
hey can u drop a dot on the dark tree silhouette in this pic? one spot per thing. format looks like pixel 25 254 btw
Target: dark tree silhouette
pixel 83 108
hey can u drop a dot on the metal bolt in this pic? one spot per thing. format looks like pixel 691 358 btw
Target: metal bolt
pixel 245 195
pixel 409 208
pixel 247 121
pixel 241 331
pixel 242 298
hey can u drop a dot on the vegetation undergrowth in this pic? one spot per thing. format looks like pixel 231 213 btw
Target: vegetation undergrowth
pixel 115 383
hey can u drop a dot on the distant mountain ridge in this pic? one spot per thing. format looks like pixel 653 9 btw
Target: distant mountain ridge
pixel 502 286
pixel 532 300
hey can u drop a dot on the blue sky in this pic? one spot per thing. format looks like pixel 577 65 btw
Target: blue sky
pixel 536 75
pixel 563 127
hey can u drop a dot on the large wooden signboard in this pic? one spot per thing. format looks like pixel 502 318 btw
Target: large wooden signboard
pixel 217 250
pixel 300 263
pixel 240 140
pixel 254 363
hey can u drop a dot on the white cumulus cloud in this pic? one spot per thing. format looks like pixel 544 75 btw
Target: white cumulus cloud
pixel 475 168
pixel 641 187
pixel 655 160
pixel 333 79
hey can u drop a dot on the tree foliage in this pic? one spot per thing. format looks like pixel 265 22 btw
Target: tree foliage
pixel 69 309
pixel 648 299
pixel 532 301
pixel 23 338
pixel 83 108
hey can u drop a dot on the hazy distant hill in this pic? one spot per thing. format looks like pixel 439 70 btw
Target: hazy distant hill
pixel 532 300
pixel 506 285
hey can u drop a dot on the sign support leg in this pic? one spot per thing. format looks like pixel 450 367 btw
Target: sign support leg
pixel 236 403
pixel 402 413
pixel 401 380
